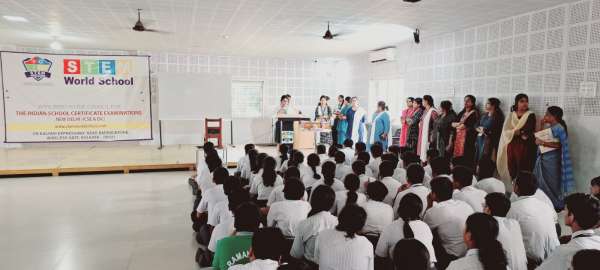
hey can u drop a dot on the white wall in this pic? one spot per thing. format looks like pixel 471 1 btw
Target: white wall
pixel 545 53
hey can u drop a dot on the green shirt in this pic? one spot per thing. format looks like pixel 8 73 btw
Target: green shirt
pixel 232 250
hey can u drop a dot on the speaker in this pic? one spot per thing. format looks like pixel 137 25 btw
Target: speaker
pixel 416 35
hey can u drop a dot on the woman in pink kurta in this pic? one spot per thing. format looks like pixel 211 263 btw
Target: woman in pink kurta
pixel 406 113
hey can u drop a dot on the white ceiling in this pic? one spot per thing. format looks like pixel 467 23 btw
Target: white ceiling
pixel 253 27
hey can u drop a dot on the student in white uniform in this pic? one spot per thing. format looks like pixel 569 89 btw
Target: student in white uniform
pixel 464 191
pixel 314 163
pixel 342 248
pixel 277 193
pixel 283 157
pixel 585 259
pixel 415 174
pixel 485 252
pixel 399 174
pixel 583 215
pixel 446 217
pixel 359 147
pixel 322 152
pixel 536 219
pixel 226 226
pixel 328 179
pixel 410 253
pixel 210 198
pixel 366 158
pixel 266 252
pixel 379 214
pixel 376 153
pixel 386 170
pixel 288 213
pixel 409 225
pixel 306 173
pixel 350 195
pixel 341 169
pixel 348 151
pixel 509 230
pixel 331 153
pixel 265 182
pixel 319 219
pixel 440 167
pixel 487 182
pixel 221 209
pixel 358 169
pixel 243 165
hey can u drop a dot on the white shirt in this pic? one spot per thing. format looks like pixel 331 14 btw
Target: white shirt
pixel 334 251
pixel 205 180
pixel 349 154
pixel 224 229
pixel 395 232
pixel 369 172
pixel 263 191
pixel 491 185
pixel 374 165
pixel 364 180
pixel 277 195
pixel 342 196
pixel 210 198
pixel 287 214
pixel 257 265
pixel 540 195
pixel 379 216
pixel 449 218
pixel 471 195
pixel 400 175
pixel 341 170
pixel 417 189
pixel 221 212
pixel 392 187
pixel 537 225
pixel 428 170
pixel 511 238
pixel 323 158
pixel 336 186
pixel 469 262
pixel 562 256
pixel 244 167
pixel 306 172
pixel 308 178
pixel 306 234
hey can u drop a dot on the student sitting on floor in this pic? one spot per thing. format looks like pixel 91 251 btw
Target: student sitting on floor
pixel 226 227
pixel 306 173
pixel 266 182
pixel 487 182
pixel 341 169
pixel 277 193
pixel 386 171
pixel 235 249
pixel 348 151
pixel 358 167
pixel 314 163
pixel 585 259
pixel 411 254
pixel 288 213
pixel 583 215
pixel 415 174
pixel 209 199
pixel 536 219
pixel 399 174
pixel 328 179
pixel 257 171
pixel 221 209
pixel 243 165
pixel 322 152
pixel 342 247
pixel 359 147
pixel 282 158
pixel 431 154
pixel 440 167
pixel 379 213
pixel 376 153
pixel 446 217
pixel 267 249
pixel 464 191
pixel 330 154
pixel 205 182
pixel 365 158
pixel 319 219
pixel 509 230
pixel 350 195
pixel 485 252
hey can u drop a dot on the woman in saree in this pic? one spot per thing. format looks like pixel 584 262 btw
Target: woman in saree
pixel 355 116
pixel 464 141
pixel 489 130
pixel 380 126
pixel 553 167
pixel 442 129
pixel 406 114
pixel 425 130
pixel 412 136
pixel 342 126
pixel 517 149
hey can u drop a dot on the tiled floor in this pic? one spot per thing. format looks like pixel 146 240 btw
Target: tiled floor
pixel 111 221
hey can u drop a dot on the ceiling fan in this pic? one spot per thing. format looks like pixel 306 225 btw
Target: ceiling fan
pixel 328 35
pixel 139 26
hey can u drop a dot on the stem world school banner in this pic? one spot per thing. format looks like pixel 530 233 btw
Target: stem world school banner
pixel 74 98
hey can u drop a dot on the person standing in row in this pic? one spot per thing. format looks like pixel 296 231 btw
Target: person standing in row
pixel 464 142
pixel 412 138
pixel 553 168
pixel 380 126
pixel 336 120
pixel 517 149
pixel 425 130
pixel 442 139
pixel 342 127
pixel 355 116
pixel 406 114
pixel 323 111
pixel 489 129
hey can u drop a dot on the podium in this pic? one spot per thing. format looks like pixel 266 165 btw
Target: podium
pixel 284 128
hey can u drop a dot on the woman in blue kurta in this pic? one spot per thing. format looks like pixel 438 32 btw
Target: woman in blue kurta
pixel 380 126
pixel 342 126
pixel 553 168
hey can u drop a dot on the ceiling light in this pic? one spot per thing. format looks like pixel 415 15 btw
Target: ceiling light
pixel 55 45
pixel 15 18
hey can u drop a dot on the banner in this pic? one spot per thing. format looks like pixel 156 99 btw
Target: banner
pixel 75 98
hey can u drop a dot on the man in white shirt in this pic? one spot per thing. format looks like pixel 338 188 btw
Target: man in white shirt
pixel 209 199
pixel 399 173
pixel 487 182
pixel 415 174
pixel 536 219
pixel 446 217
pixel 509 230
pixel 464 191
pixel 267 249
pixel 287 214
pixel 341 169
pixel 348 151
pixel 583 214
pixel 379 214
pixel 386 170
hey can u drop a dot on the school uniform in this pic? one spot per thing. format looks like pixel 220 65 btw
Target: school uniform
pixel 393 187
pixel 471 195
pixel 491 185
pixel 511 238
pixel 307 232
pixel 224 229
pixel 418 189
pixel 469 262
pixel 287 214
pixel 364 180
pixel 349 154
pixel 341 170
pixel 210 198
pixel 374 166
pixel 379 216
pixel 277 195
pixel 335 251
pixel 257 264
pixel 562 256
pixel 400 175
pixel 342 196
pixel 395 232
pixel 221 212
pixel 263 191
pixel 448 218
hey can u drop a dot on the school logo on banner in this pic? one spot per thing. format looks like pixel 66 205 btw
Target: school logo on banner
pixel 37 68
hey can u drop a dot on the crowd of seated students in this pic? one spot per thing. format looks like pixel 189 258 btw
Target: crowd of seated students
pixel 347 208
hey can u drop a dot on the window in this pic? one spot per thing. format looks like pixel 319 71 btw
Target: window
pixel 246 99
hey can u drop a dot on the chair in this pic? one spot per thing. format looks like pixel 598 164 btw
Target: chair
pixel 213 129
